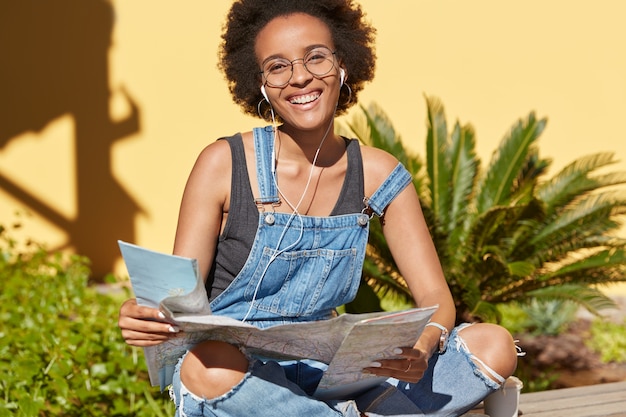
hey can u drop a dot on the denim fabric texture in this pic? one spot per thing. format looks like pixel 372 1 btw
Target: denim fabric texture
pixel 452 385
pixel 264 391
pixel 301 268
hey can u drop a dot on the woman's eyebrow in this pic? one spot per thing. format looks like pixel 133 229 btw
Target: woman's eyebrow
pixel 306 50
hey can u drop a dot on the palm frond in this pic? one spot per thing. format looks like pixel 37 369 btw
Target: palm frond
pixel 590 298
pixel 533 168
pixel 385 283
pixel 495 188
pixel 485 311
pixel 521 268
pixel 582 219
pixel 374 128
pixel 382 134
pixel 464 167
pixel 504 234
pixel 574 180
pixel 437 166
pixel 600 260
pixel 490 226
pixel 522 229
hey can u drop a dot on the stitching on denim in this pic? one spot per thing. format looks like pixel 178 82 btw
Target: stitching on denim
pixel 383 396
pixel 395 182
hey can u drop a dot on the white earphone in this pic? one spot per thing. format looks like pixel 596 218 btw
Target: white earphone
pixel 264 93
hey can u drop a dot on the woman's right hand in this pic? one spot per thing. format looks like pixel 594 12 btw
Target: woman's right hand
pixel 144 326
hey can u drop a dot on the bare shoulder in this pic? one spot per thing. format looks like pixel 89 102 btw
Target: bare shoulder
pixel 215 155
pixel 210 175
pixel 377 165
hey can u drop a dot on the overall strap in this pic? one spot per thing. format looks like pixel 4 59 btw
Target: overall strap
pixel 264 153
pixel 388 190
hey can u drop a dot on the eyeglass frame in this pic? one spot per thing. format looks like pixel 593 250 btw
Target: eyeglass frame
pixel 333 54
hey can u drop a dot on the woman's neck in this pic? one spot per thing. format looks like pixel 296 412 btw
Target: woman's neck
pixel 321 146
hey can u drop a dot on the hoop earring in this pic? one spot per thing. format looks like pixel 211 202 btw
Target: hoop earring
pixel 349 98
pixel 258 109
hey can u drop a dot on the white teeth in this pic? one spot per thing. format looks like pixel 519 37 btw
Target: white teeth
pixel 304 99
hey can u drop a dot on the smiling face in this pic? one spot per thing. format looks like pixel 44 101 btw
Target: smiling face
pixel 307 102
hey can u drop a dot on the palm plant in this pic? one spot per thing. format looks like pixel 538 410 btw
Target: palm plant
pixel 504 234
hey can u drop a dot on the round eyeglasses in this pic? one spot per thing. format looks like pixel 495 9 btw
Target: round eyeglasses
pixel 277 72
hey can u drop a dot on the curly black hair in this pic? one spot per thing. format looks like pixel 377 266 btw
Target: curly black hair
pixel 352 35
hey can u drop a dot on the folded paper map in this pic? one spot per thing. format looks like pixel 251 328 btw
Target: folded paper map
pixel 347 343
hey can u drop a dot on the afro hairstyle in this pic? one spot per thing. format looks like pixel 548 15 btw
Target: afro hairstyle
pixel 352 35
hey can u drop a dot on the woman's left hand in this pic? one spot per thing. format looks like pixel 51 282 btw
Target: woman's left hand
pixel 410 368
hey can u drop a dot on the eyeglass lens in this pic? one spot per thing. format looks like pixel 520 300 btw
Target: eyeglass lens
pixel 318 62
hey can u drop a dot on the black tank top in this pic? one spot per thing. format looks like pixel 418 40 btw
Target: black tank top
pixel 235 243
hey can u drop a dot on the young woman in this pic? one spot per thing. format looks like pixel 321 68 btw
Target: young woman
pixel 278 220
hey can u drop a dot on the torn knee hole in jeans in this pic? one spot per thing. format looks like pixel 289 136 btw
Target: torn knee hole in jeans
pixel 480 365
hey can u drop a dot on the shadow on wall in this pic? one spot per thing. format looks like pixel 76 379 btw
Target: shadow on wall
pixel 54 63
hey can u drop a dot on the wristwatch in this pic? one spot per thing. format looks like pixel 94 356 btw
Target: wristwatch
pixel 443 339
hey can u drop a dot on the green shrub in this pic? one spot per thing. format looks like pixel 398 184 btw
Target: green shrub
pixel 504 231
pixel 61 352
pixel 609 340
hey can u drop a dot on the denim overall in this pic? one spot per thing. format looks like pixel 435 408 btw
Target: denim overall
pixel 300 268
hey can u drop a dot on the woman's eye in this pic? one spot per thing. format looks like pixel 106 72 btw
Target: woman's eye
pixel 277 67
pixel 316 57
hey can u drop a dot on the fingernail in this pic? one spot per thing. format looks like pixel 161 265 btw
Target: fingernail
pixel 173 329
pixel 161 315
pixel 397 351
pixel 375 365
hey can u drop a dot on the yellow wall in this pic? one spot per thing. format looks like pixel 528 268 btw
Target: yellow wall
pixel 108 104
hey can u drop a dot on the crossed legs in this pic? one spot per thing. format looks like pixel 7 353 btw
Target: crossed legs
pixel 213 368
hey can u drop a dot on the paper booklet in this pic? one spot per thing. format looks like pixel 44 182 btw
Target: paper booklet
pixel 347 343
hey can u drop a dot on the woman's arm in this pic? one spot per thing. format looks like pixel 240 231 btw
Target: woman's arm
pixel 412 248
pixel 413 251
pixel 202 212
pixel 204 206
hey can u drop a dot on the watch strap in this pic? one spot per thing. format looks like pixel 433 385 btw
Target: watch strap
pixel 443 338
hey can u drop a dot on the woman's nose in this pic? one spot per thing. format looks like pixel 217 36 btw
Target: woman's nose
pixel 299 74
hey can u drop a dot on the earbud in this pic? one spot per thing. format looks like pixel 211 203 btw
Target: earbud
pixel 264 93
pixel 342 76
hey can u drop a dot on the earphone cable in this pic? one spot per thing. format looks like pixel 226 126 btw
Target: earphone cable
pixel 294 213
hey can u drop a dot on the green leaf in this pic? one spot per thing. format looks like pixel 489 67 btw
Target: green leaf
pixel 495 189
pixel 521 269
pixel 438 166
pixel 508 233
pixel 574 180
pixel 590 298
pixel 464 166
pixel 577 218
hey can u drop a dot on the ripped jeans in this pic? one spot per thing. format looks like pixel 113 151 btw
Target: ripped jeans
pixel 452 385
